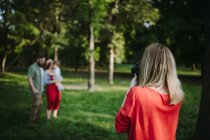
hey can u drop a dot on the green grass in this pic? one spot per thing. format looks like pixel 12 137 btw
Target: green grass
pixel 126 68
pixel 123 68
pixel 188 71
pixel 83 115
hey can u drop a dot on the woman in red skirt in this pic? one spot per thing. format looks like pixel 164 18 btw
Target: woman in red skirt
pixel 52 91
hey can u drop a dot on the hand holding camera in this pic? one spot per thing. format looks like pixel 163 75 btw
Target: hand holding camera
pixel 134 81
pixel 135 70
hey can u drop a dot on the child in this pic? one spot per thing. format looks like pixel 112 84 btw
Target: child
pixel 57 75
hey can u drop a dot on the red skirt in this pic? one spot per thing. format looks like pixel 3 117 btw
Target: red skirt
pixel 53 97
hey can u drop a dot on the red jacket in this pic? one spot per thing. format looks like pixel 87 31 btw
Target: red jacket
pixel 147 115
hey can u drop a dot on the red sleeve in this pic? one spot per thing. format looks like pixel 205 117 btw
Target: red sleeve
pixel 123 117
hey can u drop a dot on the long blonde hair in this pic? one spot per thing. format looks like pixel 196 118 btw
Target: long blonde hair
pixel 158 70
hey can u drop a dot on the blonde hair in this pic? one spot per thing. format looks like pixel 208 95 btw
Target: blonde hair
pixel 158 69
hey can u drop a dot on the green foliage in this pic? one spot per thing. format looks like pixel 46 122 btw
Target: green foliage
pixel 96 53
pixel 60 40
pixel 50 23
pixel 63 24
pixel 118 45
pixel 139 11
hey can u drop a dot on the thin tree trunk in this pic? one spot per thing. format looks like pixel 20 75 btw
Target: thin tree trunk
pixel 56 32
pixel 5 16
pixel 111 65
pixel 193 67
pixel 111 50
pixel 91 80
pixel 3 64
pixel 13 61
pixel 56 54
pixel 56 49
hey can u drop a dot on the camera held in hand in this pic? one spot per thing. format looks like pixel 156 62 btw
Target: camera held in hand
pixel 136 70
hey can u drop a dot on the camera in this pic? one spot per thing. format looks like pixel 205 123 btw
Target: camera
pixel 135 70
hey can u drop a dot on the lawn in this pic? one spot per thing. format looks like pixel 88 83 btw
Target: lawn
pixel 181 70
pixel 83 115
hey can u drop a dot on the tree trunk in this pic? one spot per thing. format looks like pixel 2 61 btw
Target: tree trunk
pixel 56 32
pixel 91 80
pixel 203 123
pixel 56 54
pixel 3 64
pixel 111 65
pixel 193 67
pixel 5 15
pixel 11 63
pixel 111 50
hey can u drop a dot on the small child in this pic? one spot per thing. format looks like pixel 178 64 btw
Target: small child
pixel 57 75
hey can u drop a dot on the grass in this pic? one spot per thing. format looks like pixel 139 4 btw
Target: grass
pixel 83 115
pixel 181 70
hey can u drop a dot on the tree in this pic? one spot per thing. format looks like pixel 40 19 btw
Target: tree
pixel 96 14
pixel 122 16
pixel 203 122
pixel 116 41
pixel 180 28
pixel 51 21
pixel 56 9
pixel 116 53
pixel 5 11
pixel 15 29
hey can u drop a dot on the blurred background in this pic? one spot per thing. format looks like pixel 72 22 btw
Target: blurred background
pixel 97 42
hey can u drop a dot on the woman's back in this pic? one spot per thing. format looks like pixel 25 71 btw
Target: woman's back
pixel 148 115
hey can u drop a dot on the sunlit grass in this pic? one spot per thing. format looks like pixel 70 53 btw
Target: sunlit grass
pixel 188 71
pixel 126 68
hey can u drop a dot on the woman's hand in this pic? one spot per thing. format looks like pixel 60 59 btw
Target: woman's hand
pixel 134 81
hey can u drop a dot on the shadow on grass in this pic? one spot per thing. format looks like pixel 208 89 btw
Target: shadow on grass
pixel 57 130
pixel 13 103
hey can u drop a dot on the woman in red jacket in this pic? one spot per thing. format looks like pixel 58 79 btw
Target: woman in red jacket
pixel 151 108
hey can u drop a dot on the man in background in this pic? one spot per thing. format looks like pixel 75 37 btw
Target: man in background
pixel 36 85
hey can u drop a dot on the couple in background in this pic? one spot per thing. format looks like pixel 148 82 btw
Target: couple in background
pixel 38 78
